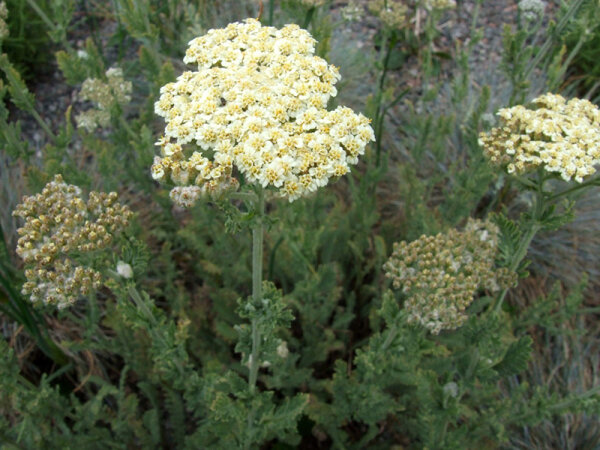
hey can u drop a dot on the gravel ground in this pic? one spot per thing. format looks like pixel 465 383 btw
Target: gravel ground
pixel 53 96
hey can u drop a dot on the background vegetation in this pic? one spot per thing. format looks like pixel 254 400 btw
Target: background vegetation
pixel 155 361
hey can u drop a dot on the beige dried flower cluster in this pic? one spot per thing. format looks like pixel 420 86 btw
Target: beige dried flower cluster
pixel 256 106
pixel 398 14
pixel 4 31
pixel 440 274
pixel 104 95
pixel 562 137
pixel 61 231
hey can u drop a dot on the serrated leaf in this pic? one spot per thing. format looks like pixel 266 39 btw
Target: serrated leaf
pixel 510 236
pixel 516 357
pixel 19 93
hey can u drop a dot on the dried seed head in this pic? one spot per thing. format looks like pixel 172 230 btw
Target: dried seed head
pixel 49 246
pixel 440 274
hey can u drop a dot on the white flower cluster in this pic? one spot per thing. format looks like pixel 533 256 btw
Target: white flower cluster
pixel 256 105
pixel 115 91
pixel 562 137
pixel 531 10
pixel 352 12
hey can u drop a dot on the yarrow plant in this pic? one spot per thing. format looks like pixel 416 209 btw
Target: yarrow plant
pixel 441 274
pixel 255 107
pixel 62 234
pixel 105 95
pixel 562 137
pixel 255 114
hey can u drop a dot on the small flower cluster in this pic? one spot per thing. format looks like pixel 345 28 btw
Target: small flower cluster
pixel 440 274
pixel 531 10
pixel 352 12
pixel 392 13
pixel 256 104
pixel 105 95
pixel 3 25
pixel 398 14
pixel 562 137
pixel 60 229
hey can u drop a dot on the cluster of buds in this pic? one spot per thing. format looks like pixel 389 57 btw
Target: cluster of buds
pixel 61 235
pixel 399 14
pixel 559 136
pixel 255 107
pixel 104 95
pixel 441 274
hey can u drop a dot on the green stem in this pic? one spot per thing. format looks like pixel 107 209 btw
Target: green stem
pixel 519 256
pixel 139 302
pixel 128 129
pixel 567 62
pixel 43 124
pixel 392 332
pixel 41 14
pixel 308 17
pixel 578 187
pixel 257 266
pixel 534 226
pixel 558 30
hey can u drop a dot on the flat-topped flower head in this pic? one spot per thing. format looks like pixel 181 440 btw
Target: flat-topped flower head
pixel 61 231
pixel 441 274
pixel 562 137
pixel 255 107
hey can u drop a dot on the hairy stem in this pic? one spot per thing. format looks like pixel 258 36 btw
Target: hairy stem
pixel 533 227
pixel 257 266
